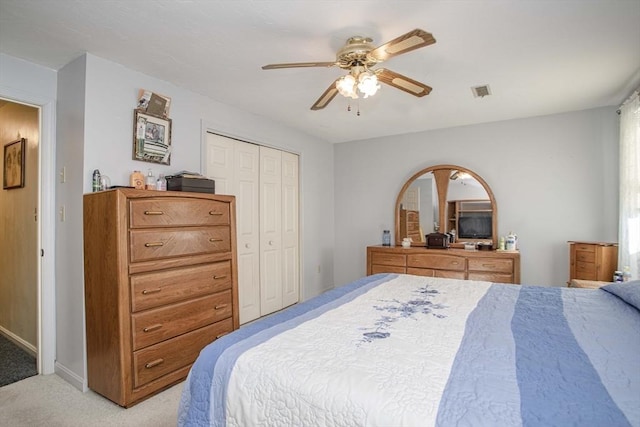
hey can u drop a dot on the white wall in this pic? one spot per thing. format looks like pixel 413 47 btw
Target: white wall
pixel 554 179
pixel 70 331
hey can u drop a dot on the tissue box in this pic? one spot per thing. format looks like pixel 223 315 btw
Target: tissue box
pixel 196 185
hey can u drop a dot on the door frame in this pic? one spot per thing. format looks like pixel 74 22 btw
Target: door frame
pixel 46 223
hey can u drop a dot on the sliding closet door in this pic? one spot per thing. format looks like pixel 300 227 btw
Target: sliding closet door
pixel 290 231
pixel 270 230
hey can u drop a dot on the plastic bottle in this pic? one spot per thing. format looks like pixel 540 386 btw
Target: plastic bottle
pixel 161 184
pixel 95 183
pixel 386 238
pixel 626 274
pixel 150 183
pixel 510 243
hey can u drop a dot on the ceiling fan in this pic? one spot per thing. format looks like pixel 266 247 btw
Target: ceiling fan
pixel 358 56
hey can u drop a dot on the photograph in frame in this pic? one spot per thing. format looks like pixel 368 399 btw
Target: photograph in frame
pixel 14 164
pixel 151 138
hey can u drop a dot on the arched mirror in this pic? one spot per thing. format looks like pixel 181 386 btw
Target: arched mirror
pixel 443 198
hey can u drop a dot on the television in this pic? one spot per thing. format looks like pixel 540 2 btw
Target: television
pixel 475 226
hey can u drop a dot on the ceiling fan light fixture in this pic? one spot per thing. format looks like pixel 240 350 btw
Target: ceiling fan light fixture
pixel 358 83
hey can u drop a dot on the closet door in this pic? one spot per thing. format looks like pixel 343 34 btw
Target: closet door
pixel 247 192
pixel 290 230
pixel 270 230
pixel 234 165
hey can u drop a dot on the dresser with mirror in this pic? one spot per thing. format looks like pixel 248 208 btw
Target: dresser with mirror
pixel 447 199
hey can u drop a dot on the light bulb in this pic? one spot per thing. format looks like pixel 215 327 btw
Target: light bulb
pixel 347 86
pixel 368 84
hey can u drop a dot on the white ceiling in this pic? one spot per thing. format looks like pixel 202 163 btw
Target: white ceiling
pixel 539 57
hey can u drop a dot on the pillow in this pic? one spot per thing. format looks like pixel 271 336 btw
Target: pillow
pixel 629 292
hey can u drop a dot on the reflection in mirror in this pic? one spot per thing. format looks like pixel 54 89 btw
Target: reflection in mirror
pixel 444 198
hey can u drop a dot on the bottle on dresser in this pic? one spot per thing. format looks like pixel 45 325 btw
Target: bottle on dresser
pixel 150 183
pixel 161 184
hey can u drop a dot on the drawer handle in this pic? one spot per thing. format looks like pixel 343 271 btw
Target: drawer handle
pixel 220 306
pixel 215 213
pixel 154 363
pixel 489 265
pixel 219 277
pixel 454 262
pixel 152 328
pixel 153 244
pixel 150 291
pixel 153 213
pixel 221 335
pixel 213 240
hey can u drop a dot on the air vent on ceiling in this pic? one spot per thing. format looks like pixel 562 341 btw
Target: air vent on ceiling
pixel 481 91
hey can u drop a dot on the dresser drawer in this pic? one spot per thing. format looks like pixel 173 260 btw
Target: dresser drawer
pixel 412 216
pixel 375 269
pixel 585 247
pixel 151 290
pixel 491 277
pixel 586 256
pixel 176 212
pixel 585 270
pixel 438 262
pixel 160 359
pixel 388 259
pixel 448 274
pixel 159 324
pixel 491 264
pixel 166 243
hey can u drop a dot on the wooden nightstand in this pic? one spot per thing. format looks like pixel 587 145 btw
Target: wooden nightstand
pixel 591 284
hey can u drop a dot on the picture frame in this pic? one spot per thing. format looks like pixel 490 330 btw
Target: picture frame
pixel 151 138
pixel 14 164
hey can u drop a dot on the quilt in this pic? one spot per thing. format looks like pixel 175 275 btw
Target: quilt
pixel 402 350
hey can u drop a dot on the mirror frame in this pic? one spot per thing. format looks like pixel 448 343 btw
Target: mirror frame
pixel 441 175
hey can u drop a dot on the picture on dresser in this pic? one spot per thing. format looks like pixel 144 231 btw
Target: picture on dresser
pixel 151 138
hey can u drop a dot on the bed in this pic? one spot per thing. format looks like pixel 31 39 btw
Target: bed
pixel 402 350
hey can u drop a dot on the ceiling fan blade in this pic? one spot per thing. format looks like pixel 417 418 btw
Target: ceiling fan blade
pixel 326 97
pixel 412 40
pixel 402 82
pixel 298 65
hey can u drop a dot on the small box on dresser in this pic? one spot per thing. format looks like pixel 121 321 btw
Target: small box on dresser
pixel 160 284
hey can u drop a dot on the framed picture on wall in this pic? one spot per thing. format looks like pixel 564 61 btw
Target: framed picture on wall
pixel 13 166
pixel 151 138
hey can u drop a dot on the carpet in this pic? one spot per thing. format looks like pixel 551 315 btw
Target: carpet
pixel 16 364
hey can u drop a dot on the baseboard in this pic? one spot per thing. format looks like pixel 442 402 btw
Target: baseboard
pixel 29 348
pixel 71 377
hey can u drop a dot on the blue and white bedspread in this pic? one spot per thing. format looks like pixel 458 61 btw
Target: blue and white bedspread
pixel 401 350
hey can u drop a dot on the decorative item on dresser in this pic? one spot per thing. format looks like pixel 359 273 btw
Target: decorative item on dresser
pixel 491 266
pixel 160 284
pixel 592 261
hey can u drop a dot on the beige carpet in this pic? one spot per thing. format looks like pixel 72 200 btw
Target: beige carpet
pixel 47 400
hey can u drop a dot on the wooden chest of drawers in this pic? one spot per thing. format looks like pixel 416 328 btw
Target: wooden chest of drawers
pixel 592 261
pixel 160 284
pixel 491 266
